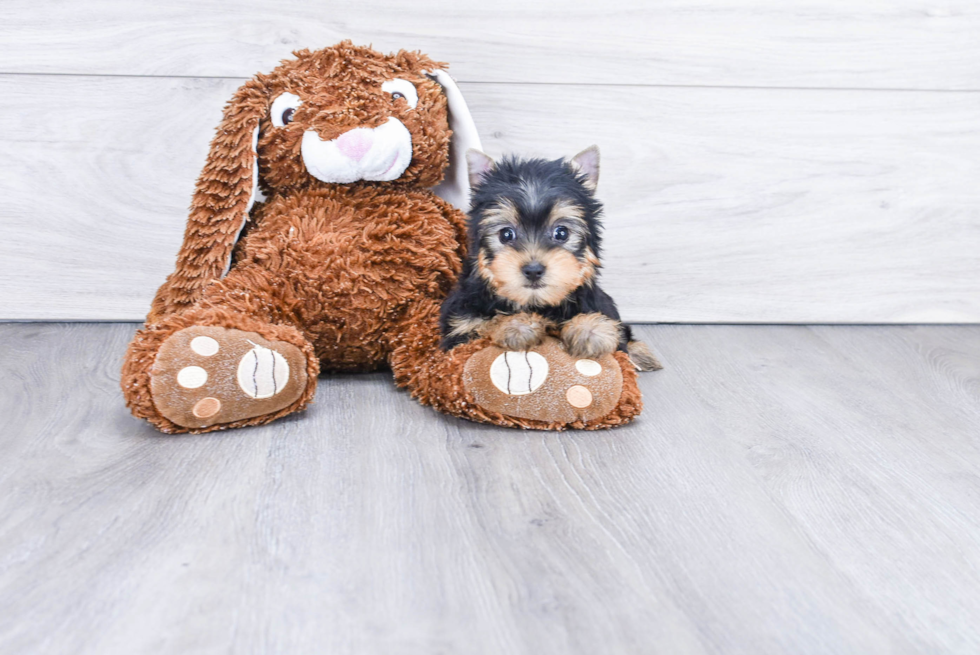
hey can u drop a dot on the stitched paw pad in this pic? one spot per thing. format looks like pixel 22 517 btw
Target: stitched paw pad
pixel 544 383
pixel 206 375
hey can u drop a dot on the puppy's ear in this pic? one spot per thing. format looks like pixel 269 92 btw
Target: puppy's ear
pixel 478 165
pixel 223 197
pixel 455 187
pixel 587 163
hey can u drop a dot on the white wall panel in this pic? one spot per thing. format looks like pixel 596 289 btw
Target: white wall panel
pixel 724 205
pixel 882 44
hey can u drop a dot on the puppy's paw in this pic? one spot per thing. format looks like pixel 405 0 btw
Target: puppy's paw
pixel 642 357
pixel 590 335
pixel 517 332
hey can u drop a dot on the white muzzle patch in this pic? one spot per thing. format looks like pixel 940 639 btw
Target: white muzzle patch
pixel 379 154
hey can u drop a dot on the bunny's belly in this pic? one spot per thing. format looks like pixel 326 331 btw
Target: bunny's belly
pixel 348 272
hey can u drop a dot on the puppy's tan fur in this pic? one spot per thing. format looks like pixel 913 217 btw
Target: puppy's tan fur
pixel 568 211
pixel 517 331
pixel 462 325
pixel 564 273
pixel 590 335
pixel 642 357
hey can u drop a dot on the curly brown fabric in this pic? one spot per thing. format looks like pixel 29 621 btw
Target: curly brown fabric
pixel 351 274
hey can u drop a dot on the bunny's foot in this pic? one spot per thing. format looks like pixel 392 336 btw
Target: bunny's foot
pixel 544 383
pixel 209 375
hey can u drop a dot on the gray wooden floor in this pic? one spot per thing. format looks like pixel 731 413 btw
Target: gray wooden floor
pixel 788 490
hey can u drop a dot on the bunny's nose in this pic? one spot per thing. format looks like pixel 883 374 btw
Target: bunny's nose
pixel 355 143
pixel 533 271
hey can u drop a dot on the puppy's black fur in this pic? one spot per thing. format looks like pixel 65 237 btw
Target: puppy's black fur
pixel 522 196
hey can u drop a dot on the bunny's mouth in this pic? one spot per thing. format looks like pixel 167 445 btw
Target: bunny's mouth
pixel 379 154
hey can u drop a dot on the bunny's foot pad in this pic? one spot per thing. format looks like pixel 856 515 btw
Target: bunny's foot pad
pixel 544 383
pixel 207 375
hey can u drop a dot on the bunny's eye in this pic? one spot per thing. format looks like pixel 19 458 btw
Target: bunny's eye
pixel 399 88
pixel 283 109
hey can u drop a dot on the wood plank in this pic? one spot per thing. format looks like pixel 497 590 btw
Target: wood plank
pixel 735 205
pixel 867 437
pixel 99 175
pixel 788 489
pixel 912 44
pixel 771 206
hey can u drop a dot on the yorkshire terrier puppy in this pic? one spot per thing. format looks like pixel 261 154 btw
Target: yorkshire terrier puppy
pixel 533 263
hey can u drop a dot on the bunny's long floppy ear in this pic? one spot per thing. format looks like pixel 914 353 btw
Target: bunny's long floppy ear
pixel 455 187
pixel 223 197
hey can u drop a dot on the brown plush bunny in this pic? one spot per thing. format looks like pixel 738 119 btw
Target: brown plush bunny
pixel 343 266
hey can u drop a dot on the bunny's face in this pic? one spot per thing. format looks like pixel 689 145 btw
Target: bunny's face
pixel 339 115
pixel 346 114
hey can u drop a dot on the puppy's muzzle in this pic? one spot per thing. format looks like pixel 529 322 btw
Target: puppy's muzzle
pixel 379 154
pixel 533 272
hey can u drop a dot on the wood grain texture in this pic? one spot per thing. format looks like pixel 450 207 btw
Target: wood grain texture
pixel 723 205
pixel 913 44
pixel 788 489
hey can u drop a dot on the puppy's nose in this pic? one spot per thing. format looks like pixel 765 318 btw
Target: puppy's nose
pixel 533 271
pixel 355 143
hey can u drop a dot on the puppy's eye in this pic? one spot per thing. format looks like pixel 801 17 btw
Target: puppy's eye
pixel 283 109
pixel 507 235
pixel 561 233
pixel 399 88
